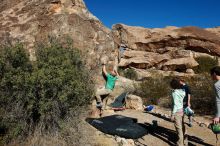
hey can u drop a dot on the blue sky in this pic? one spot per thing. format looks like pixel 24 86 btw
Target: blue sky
pixel 157 13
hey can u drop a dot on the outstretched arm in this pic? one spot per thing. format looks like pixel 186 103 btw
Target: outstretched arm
pixel 104 70
pixel 116 73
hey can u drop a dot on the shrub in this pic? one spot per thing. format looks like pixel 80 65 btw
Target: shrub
pixel 203 94
pixel 205 64
pixel 62 81
pixel 14 92
pixel 154 88
pixel 42 93
pixel 130 74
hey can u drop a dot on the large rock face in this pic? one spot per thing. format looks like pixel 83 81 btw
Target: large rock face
pixel 166 49
pixel 31 21
pixel 159 40
pixel 215 30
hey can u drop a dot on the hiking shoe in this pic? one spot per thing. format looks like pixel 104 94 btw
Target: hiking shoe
pixel 99 105
pixel 190 125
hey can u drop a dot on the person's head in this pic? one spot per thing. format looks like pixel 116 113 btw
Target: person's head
pixel 181 80
pixel 175 84
pixel 215 73
pixel 113 73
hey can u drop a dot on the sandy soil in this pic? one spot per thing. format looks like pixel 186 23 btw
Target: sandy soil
pixel 165 134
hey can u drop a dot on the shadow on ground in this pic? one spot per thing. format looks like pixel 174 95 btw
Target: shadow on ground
pixel 159 116
pixel 162 117
pixel 169 136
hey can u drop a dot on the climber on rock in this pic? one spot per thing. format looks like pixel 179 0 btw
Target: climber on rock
pixel 109 86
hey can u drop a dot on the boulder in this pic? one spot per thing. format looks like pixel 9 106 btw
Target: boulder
pixel 180 64
pixel 190 71
pixel 142 59
pixel 167 49
pixel 143 74
pixel 125 84
pixel 134 102
pixel 37 21
pixel 157 39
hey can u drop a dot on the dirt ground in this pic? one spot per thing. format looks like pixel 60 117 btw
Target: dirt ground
pixel 165 134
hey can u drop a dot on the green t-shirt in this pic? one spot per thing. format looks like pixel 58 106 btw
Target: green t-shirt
pixel 110 83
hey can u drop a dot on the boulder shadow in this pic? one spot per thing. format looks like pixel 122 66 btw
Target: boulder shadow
pixel 170 137
pixel 159 116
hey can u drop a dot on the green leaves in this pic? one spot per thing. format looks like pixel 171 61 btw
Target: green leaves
pixel 45 90
pixel 205 64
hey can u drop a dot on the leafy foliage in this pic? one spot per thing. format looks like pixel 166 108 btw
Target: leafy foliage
pixel 42 93
pixel 205 64
pixel 202 100
pixel 129 73
pixel 154 88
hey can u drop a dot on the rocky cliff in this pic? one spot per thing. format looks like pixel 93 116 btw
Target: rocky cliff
pixel 31 21
pixel 165 49
pixel 162 49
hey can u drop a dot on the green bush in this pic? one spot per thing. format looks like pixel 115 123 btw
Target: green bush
pixel 153 89
pixel 130 74
pixel 203 94
pixel 156 90
pixel 42 93
pixel 205 64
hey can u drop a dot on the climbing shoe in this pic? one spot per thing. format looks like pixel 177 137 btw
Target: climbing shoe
pixel 99 105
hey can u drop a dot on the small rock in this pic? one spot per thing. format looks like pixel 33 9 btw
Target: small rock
pixel 202 125
pixel 166 116
pixel 130 142
pixel 190 71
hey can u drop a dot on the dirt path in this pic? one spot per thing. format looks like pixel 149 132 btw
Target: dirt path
pixel 164 134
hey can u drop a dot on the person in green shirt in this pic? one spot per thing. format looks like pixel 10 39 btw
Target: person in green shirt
pixel 109 86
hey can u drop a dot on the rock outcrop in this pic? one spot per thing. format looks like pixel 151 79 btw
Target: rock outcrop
pixel 134 102
pixel 215 30
pixel 160 39
pixel 31 21
pixel 167 49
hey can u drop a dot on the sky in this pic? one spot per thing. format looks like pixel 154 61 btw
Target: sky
pixel 157 13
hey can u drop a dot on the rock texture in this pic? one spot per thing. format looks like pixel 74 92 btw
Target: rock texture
pixel 168 49
pixel 31 21
pixel 215 30
pixel 159 40
pixel 164 50
pixel 134 102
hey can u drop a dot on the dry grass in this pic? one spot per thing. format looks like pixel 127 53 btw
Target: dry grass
pixel 38 140
pixel 75 132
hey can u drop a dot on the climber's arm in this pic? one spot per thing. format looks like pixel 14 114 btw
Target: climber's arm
pixel 104 70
